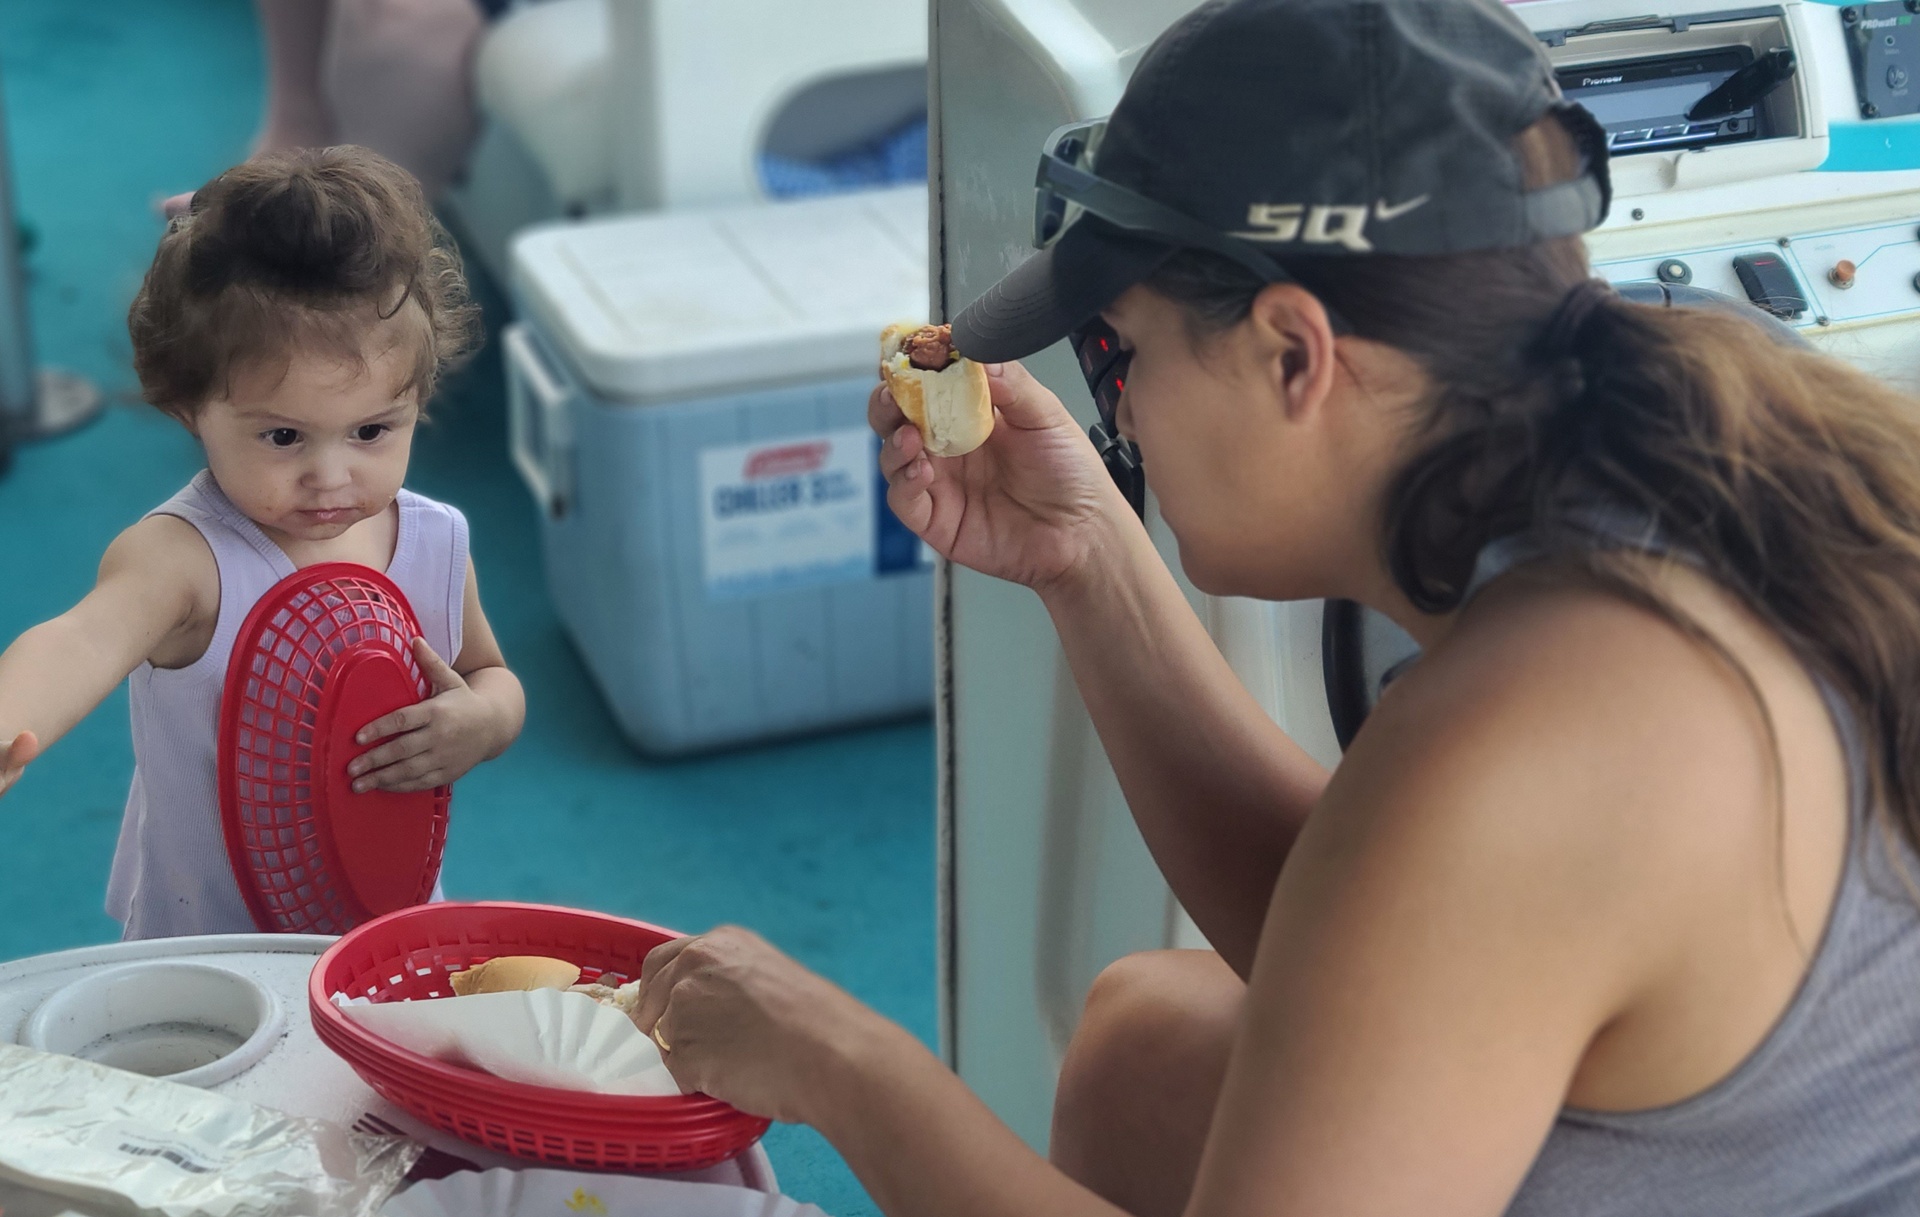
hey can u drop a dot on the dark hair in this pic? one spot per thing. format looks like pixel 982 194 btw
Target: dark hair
pixel 1792 476
pixel 300 250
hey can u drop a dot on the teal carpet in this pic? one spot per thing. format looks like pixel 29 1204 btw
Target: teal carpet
pixel 825 845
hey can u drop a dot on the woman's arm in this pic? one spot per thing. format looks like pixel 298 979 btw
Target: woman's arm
pixel 745 1023
pixel 1217 788
pixel 1530 856
pixel 149 589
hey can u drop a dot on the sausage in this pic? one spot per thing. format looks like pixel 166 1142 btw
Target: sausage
pixel 930 348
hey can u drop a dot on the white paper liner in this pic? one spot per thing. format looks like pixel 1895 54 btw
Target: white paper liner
pixel 544 1037
pixel 544 1193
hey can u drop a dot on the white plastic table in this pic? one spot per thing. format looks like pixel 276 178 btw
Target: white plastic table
pixel 299 1075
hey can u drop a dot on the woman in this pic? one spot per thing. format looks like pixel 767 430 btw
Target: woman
pixel 1611 907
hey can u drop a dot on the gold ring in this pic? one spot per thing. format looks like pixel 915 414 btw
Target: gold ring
pixel 660 1039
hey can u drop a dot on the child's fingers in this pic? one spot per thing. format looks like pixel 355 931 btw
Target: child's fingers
pixel 408 746
pixel 422 772
pixel 407 718
pixel 439 672
pixel 432 779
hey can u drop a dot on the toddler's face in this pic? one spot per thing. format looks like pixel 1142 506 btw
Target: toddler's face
pixel 310 454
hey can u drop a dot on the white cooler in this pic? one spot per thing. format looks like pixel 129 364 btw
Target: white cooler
pixel 687 395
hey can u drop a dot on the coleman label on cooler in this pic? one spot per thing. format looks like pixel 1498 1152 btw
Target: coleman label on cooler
pixel 788 513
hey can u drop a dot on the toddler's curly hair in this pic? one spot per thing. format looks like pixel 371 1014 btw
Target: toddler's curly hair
pixel 306 251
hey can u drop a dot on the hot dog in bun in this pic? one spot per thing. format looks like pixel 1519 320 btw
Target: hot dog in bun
pixel 941 393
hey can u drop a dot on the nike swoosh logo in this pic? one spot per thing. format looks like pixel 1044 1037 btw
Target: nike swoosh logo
pixel 1383 212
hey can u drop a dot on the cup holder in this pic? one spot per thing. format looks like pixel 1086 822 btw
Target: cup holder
pixel 186 1022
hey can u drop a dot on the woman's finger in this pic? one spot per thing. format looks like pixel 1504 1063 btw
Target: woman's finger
pixel 898 450
pixel 883 413
pixel 659 1032
pixel 663 955
pixel 656 981
pixel 1023 402
pixel 909 497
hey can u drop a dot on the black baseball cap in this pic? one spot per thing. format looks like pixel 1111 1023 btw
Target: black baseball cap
pixel 1269 129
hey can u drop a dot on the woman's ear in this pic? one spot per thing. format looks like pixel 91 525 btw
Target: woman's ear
pixel 1296 344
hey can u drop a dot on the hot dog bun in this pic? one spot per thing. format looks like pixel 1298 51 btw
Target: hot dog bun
pixel 951 407
pixel 511 973
pixel 623 999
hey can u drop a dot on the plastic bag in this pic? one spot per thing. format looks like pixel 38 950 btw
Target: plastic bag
pixel 120 1143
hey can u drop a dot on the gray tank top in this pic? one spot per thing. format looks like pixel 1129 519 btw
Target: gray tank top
pixel 170 871
pixel 1823 1118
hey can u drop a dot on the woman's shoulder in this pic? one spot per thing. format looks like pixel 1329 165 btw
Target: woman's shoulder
pixel 1565 724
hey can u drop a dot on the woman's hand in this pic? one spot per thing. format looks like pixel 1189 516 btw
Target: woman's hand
pixel 14 757
pixel 749 1026
pixel 1027 506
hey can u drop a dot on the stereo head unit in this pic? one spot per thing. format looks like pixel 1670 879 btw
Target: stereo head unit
pixel 1695 95
pixel 1644 103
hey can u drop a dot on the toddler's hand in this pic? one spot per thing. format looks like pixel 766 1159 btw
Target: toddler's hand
pixel 14 757
pixel 434 742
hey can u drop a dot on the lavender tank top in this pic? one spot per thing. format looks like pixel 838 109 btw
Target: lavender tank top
pixel 170 871
pixel 1823 1118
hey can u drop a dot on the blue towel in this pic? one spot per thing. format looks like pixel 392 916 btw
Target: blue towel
pixel 899 156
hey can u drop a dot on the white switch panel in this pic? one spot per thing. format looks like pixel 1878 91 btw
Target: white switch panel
pixel 1885 260
pixel 1886 271
pixel 1711 269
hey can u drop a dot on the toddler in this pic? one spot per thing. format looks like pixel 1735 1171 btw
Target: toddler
pixel 295 320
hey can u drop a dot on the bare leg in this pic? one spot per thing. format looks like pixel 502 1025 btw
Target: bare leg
pixel 293 35
pixel 1138 1086
pixel 397 76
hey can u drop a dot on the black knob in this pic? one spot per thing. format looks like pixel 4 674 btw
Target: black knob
pixel 1916 283
pixel 1673 270
pixel 1850 16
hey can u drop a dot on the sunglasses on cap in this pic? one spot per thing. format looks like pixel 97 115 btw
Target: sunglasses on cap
pixel 1066 189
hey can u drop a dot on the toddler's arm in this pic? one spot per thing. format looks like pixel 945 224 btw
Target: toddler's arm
pixel 150 593
pixel 476 711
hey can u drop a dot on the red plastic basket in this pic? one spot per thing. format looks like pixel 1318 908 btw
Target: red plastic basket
pixel 411 954
pixel 325 652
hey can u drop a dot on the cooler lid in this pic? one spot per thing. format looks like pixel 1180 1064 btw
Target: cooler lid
pixel 672 305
